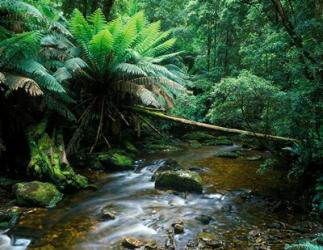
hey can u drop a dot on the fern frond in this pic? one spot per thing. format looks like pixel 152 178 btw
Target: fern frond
pixel 127 69
pixel 79 27
pixel 137 91
pixel 123 40
pixel 100 48
pixel 40 74
pixel 15 82
pixel 97 21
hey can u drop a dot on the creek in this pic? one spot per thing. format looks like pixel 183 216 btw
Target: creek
pixel 240 204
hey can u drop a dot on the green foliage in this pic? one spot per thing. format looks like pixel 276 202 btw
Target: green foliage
pixel 246 101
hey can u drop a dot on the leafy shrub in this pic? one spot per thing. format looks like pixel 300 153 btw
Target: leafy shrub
pixel 246 101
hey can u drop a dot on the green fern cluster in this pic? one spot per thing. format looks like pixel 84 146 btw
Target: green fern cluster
pixel 127 57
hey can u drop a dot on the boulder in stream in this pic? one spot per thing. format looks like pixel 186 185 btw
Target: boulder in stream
pixel 168 165
pixel 36 193
pixel 134 243
pixel 116 161
pixel 181 180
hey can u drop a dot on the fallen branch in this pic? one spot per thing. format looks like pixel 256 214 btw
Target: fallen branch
pixel 143 110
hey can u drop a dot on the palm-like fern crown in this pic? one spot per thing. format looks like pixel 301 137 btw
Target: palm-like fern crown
pixel 127 55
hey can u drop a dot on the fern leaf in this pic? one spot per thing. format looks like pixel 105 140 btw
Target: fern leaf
pixel 15 82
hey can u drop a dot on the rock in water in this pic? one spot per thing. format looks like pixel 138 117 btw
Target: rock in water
pixel 35 193
pixel 132 243
pixel 116 161
pixel 182 180
pixel 228 154
pixel 168 165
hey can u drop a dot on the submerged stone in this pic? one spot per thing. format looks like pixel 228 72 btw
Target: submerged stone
pixel 182 180
pixel 204 219
pixel 223 141
pixel 35 193
pixel 232 155
pixel 254 158
pixel 195 144
pixel 199 136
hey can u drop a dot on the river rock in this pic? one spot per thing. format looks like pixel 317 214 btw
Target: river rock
pixel 198 136
pixel 168 165
pixel 108 214
pixel 132 243
pixel 228 154
pixel 210 240
pixel 35 193
pixel 182 180
pixel 204 219
pixel 116 161
pixel 8 219
pixel 254 158
pixel 223 141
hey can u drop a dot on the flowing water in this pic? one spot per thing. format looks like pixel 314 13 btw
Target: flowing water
pixel 235 197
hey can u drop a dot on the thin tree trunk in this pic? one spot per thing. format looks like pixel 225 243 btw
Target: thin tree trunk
pixel 107 7
pixel 209 126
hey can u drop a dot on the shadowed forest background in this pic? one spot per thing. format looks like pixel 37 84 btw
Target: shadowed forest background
pixel 91 86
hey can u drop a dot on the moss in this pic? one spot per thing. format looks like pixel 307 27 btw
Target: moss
pixel 195 144
pixel 199 136
pixel 182 180
pixel 131 148
pixel 37 193
pixel 227 155
pixel 223 141
pixel 116 160
pixel 48 163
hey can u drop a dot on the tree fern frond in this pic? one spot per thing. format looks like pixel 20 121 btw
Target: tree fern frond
pixel 20 7
pixel 15 82
pixel 100 48
pixel 127 69
pixel 79 27
pixel 40 74
pixel 97 20
pixel 123 40
pixel 149 34
pixel 161 48
pixel 137 91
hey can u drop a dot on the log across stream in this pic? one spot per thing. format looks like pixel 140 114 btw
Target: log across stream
pixel 242 208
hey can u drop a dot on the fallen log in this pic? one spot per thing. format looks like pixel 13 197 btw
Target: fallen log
pixel 161 115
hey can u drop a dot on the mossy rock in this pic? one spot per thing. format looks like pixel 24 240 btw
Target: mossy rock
pixel 223 141
pixel 8 219
pixel 168 165
pixel 131 148
pixel 198 136
pixel 182 181
pixel 195 144
pixel 35 193
pixel 116 161
pixel 254 158
pixel 231 155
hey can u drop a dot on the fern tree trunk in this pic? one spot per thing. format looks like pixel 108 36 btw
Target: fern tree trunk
pixel 48 159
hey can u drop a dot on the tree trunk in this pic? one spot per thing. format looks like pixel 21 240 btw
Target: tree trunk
pixel 209 126
pixel 107 7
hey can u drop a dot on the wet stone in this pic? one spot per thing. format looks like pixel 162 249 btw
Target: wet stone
pixel 204 219
pixel 178 228
pixel 132 243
